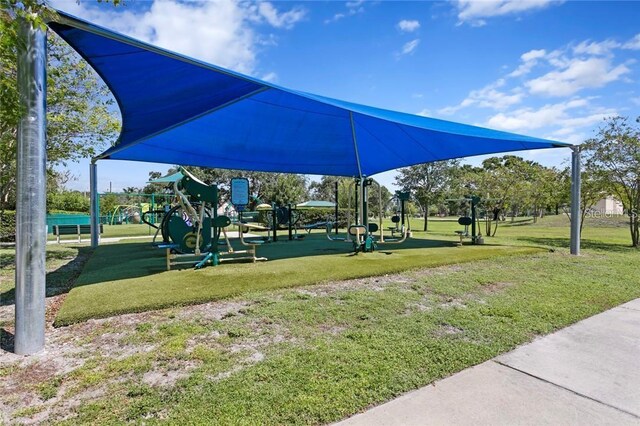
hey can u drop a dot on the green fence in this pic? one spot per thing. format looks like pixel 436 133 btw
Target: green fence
pixel 66 219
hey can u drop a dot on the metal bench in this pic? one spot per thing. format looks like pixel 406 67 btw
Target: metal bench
pixel 78 230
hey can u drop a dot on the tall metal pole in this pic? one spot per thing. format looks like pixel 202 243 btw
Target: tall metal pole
pixel 575 200
pixel 31 191
pixel 336 208
pixel 95 207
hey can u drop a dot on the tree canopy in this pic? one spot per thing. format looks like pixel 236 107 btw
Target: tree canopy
pixel 613 159
pixel 428 183
pixel 81 114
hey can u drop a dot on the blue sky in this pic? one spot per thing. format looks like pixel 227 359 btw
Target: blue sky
pixel 543 68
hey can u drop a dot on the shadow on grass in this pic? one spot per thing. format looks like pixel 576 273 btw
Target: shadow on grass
pixel 585 244
pixel 6 340
pixel 59 281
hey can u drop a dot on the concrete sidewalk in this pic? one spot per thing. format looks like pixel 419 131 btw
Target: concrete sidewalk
pixel 588 373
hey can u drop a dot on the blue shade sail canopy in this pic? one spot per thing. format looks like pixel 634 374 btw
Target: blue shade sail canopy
pixel 173 177
pixel 179 110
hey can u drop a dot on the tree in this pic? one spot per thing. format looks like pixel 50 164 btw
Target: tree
pixel 427 183
pixel 377 197
pixel 284 188
pixel 560 189
pixel 507 183
pixel 592 189
pixel 281 188
pixel 151 188
pixel 80 113
pixel 69 201
pixel 613 156
pixel 324 189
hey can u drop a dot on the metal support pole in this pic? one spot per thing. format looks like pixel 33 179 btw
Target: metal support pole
pixel 31 191
pixel 365 207
pixel 336 210
pixel 153 208
pixel 289 218
pixel 473 220
pixel 95 207
pixel 275 222
pixel 575 200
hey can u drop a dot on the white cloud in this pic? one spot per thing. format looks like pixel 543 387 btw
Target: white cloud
pixel 475 12
pixel 408 26
pixel 576 75
pixel 219 32
pixel 533 54
pixel 488 97
pixel 551 115
pixel 336 17
pixel 636 100
pixel 281 20
pixel 633 44
pixel 425 113
pixel 353 8
pixel 596 48
pixel 529 60
pixel 410 46
pixel 271 77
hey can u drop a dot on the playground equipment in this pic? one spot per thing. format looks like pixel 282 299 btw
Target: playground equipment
pixel 191 228
pixel 126 213
pixel 361 233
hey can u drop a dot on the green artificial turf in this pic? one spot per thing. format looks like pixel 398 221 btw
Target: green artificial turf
pixel 131 277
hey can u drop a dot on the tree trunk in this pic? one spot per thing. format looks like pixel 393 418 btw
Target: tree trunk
pixel 583 214
pixel 495 229
pixel 634 227
pixel 426 218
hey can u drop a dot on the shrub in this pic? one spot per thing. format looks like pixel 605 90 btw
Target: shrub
pixel 7 226
pixel 68 201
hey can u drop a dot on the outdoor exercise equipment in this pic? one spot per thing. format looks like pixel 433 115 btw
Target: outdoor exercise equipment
pixel 471 220
pixel 400 219
pixel 361 232
pixel 464 221
pixel 192 229
pixel 317 204
pixel 240 200
pixel 154 222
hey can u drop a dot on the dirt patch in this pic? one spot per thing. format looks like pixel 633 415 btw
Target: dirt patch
pixel 213 311
pixel 447 330
pixel 109 348
pixel 495 287
pixel 453 303
pixel 161 376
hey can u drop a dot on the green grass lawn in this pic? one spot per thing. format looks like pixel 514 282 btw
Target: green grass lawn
pixel 274 352
pixel 131 277
pixel 126 230
pixel 63 264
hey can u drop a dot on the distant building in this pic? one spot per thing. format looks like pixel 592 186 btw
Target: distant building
pixel 609 206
